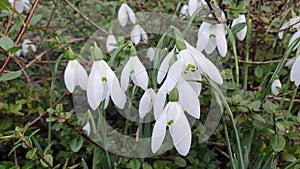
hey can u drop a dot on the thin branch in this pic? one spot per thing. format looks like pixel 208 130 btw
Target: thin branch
pixel 85 17
pixel 20 34
pixel 10 19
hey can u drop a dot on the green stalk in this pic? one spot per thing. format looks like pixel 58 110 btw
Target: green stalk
pixel 228 144
pixel 236 61
pixel 104 132
pixel 129 108
pixel 248 38
pixel 292 100
pixel 292 164
pixel 229 112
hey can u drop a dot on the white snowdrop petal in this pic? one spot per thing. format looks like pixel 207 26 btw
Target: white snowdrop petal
pixel 150 53
pixel 294 37
pixel 174 73
pixel 122 15
pixel 110 42
pixel 192 6
pixel 188 98
pixel 81 75
pixel 143 35
pixel 158 133
pixel 130 14
pixel 203 36
pixel 290 62
pixel 140 76
pixel 94 88
pixel 106 100
pixel 87 128
pixel 164 67
pixel 295 72
pixel 210 46
pixel 242 34
pixel 19 6
pixel 221 43
pixel 126 74
pixel 117 94
pixel 136 34
pixel 69 76
pixel 145 105
pixel 159 103
pixel 190 77
pixel 181 134
pixel 206 65
pixel 184 10
pixel 274 87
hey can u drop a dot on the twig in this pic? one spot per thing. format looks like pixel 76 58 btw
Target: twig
pixel 20 34
pixel 37 153
pixel 38 57
pixel 276 98
pixel 10 19
pixel 85 17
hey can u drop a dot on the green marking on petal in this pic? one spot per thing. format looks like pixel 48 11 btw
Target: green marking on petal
pixel 132 71
pixel 170 122
pixel 104 79
pixel 190 67
pixel 212 36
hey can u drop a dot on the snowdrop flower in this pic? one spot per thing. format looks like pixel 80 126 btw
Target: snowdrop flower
pixel 173 116
pixel 124 12
pixel 189 60
pixel 211 36
pixel 150 53
pixel 110 43
pixel 193 5
pixel 21 4
pixel 87 128
pixel 25 45
pixel 288 24
pixel 75 74
pixel 274 87
pixel 242 33
pixel 103 83
pixel 137 34
pixel 182 98
pixel 146 102
pixel 135 70
pixel 295 72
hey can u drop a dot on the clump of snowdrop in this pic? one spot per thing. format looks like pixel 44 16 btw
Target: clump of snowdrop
pixel 295 72
pixel 27 44
pixel 103 83
pixel 21 5
pixel 242 33
pixel 275 86
pixel 134 70
pixel 110 43
pixel 75 74
pixel 138 34
pixel 124 12
pixel 182 65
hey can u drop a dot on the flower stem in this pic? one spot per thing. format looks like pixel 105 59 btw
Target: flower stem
pixel 248 35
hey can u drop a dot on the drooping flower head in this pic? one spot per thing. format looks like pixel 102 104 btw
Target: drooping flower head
pixel 27 44
pixel 134 70
pixel 295 72
pixel 137 34
pixel 124 12
pixel 110 43
pixel 242 33
pixel 75 74
pixel 21 4
pixel 275 86
pixel 103 83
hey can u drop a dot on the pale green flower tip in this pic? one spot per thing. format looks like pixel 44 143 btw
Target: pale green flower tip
pixel 133 51
pixel 96 52
pixel 70 54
